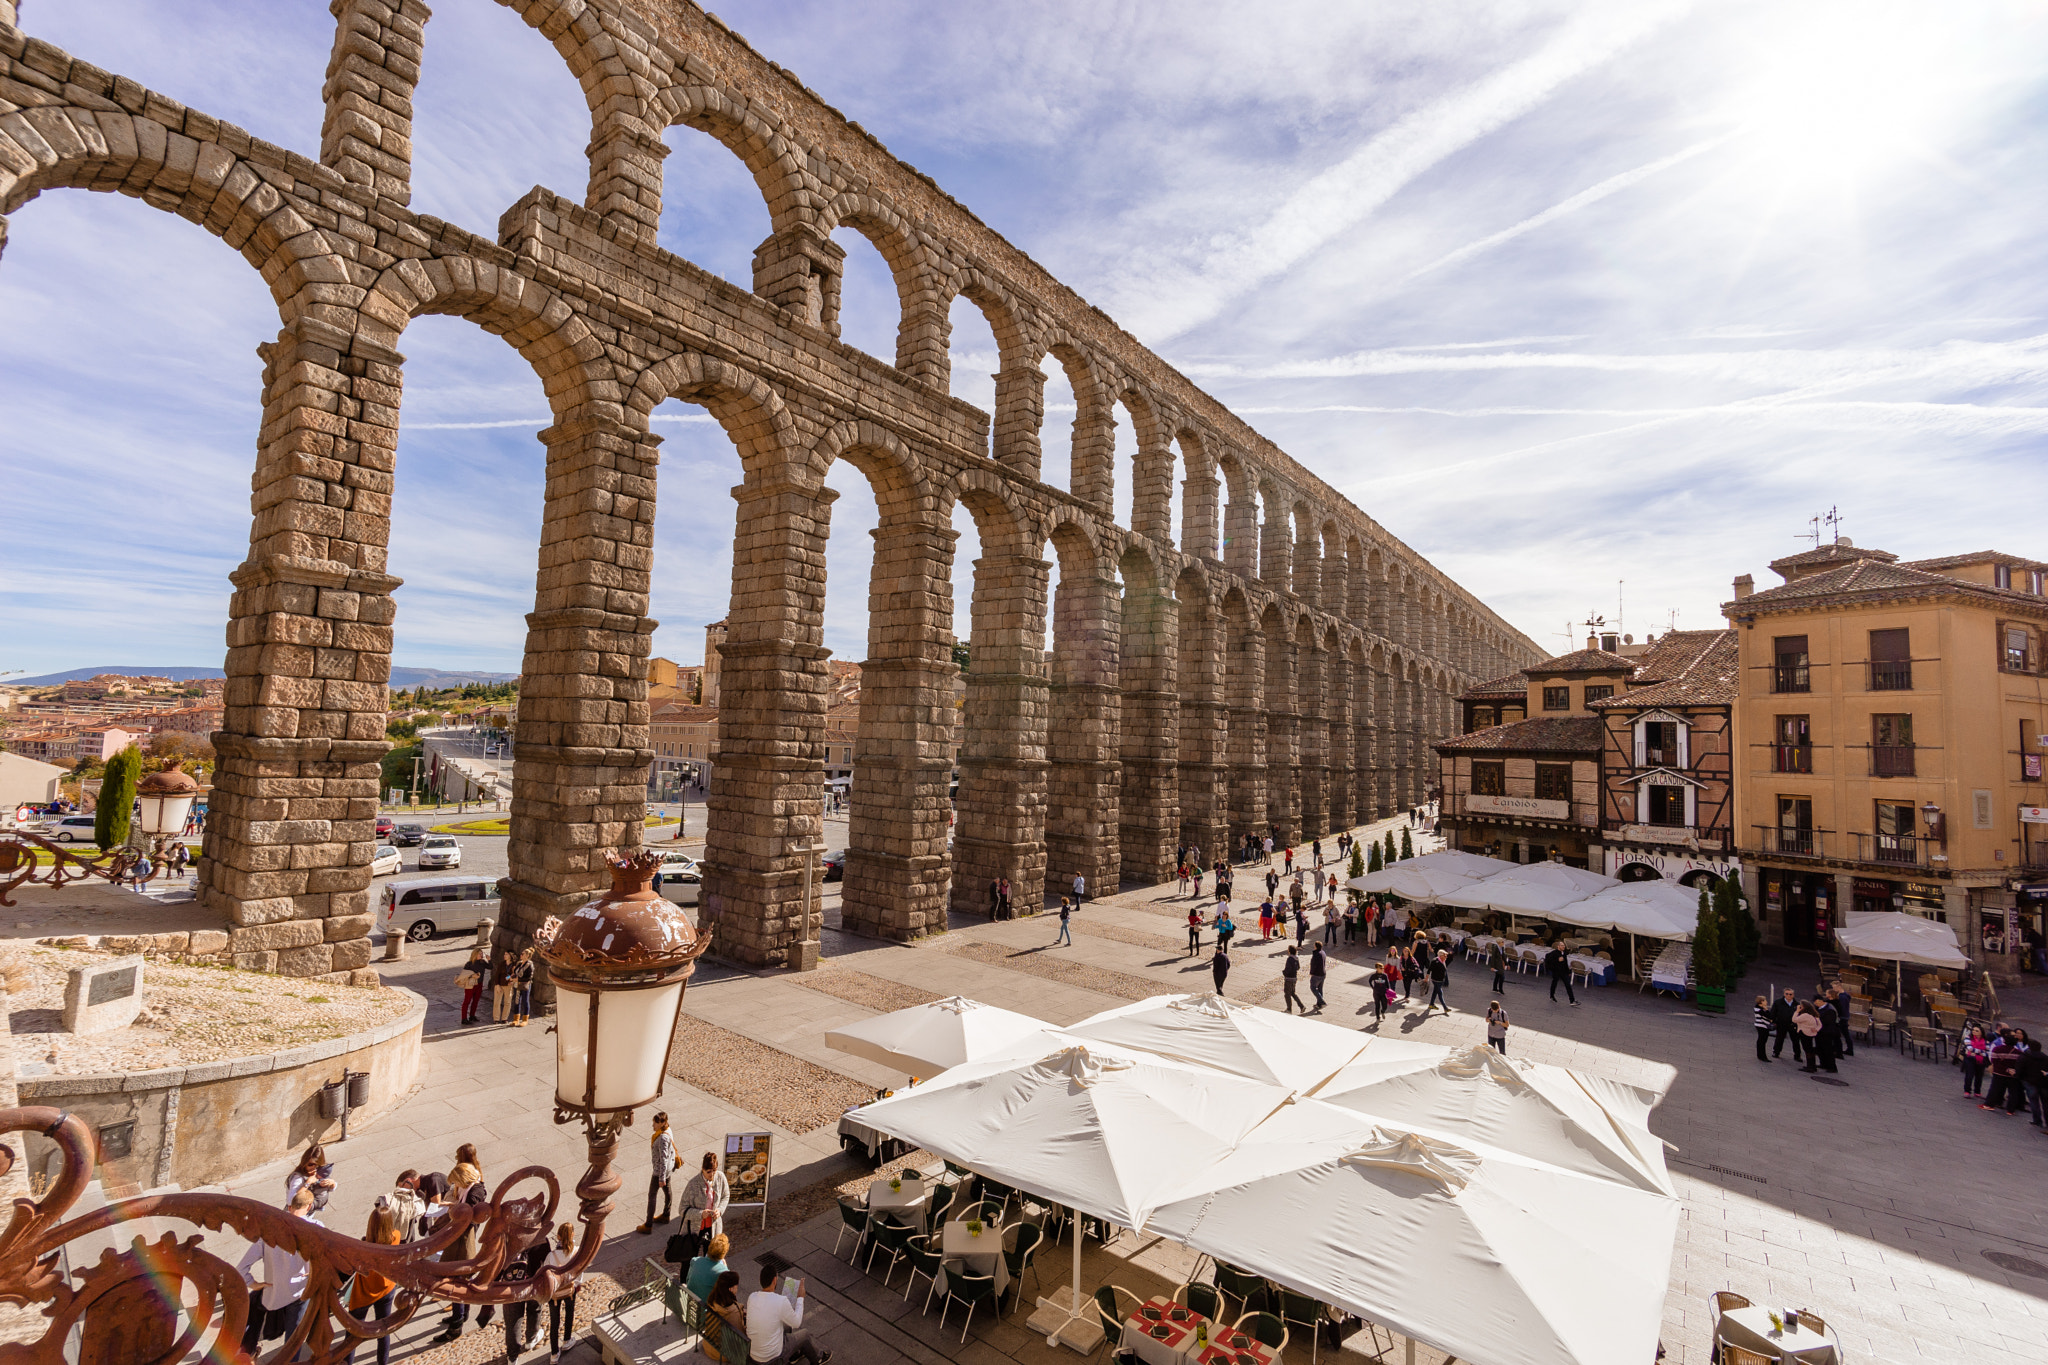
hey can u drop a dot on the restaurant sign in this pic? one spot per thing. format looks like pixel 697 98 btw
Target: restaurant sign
pixel 1535 808
pixel 2034 815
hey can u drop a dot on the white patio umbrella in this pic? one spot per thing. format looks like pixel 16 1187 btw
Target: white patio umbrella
pixel 1551 1114
pixel 1533 889
pixel 1432 874
pixel 1897 937
pixel 1492 1256
pixel 1658 909
pixel 924 1040
pixel 1279 1049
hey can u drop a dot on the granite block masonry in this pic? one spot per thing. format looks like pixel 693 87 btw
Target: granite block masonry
pixel 1255 673
pixel 103 996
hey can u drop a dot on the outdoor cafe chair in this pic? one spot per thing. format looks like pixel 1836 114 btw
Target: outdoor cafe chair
pixel 886 1234
pixel 1200 1298
pixel 1248 1290
pixel 1731 1354
pixel 972 1290
pixel 1264 1328
pixel 1019 1258
pixel 1113 1316
pixel 1813 1320
pixel 1923 1039
pixel 988 1212
pixel 925 1259
pixel 1303 1310
pixel 854 1219
pixel 1883 1017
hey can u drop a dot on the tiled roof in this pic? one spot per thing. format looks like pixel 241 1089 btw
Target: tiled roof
pixel 1583 661
pixel 1541 735
pixel 682 713
pixel 1873 580
pixel 1981 557
pixel 1513 685
pixel 1830 554
pixel 1685 668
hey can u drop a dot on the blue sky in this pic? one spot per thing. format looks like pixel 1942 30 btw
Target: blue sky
pixel 1565 295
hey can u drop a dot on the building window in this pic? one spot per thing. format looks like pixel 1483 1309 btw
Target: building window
pixel 1660 743
pixel 1598 692
pixel 1896 828
pixel 1554 781
pixel 1489 779
pixel 2030 752
pixel 1484 717
pixel 1891 745
pixel 1789 671
pixel 1891 661
pixel 2001 575
pixel 2019 650
pixel 1557 699
pixel 1667 805
pixel 1795 825
pixel 2034 582
pixel 1793 750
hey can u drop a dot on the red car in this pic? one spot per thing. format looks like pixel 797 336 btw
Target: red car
pixel 384 827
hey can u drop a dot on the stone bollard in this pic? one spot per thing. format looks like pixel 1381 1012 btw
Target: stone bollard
pixel 394 945
pixel 484 929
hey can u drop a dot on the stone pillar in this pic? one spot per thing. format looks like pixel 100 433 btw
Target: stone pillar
pixel 799 271
pixel 366 131
pixel 1094 467
pixel 1204 730
pixel 1283 754
pixel 580 786
pixel 292 824
pixel 1020 410
pixel 1152 494
pixel 1084 776
pixel 1241 533
pixel 1273 546
pixel 924 335
pixel 1340 682
pixel 763 807
pixel 1198 517
pixel 1312 706
pixel 1149 806
pixel 896 861
pixel 1001 829
pixel 1244 686
pixel 1308 568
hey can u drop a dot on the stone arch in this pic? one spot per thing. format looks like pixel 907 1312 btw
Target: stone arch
pixel 922 292
pixel 1275 547
pixel 751 412
pixel 1200 515
pixel 1003 528
pixel 1092 472
pixel 1240 514
pixel 903 495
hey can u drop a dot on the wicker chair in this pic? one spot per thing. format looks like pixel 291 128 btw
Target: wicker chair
pixel 1807 1318
pixel 1725 1299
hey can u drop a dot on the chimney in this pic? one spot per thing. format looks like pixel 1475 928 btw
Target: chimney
pixel 1744 586
pixel 1592 642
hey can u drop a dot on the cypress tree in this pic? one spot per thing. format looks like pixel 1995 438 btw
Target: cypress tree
pixel 1389 857
pixel 1374 863
pixel 1407 844
pixel 1708 972
pixel 111 818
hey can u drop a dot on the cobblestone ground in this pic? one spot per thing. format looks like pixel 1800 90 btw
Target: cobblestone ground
pixel 1908 1218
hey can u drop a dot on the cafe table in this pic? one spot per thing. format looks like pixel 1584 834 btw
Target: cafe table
pixel 908 1204
pixel 1222 1351
pixel 975 1255
pixel 1157 1337
pixel 1750 1328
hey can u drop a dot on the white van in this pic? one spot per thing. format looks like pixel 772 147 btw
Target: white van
pixel 426 906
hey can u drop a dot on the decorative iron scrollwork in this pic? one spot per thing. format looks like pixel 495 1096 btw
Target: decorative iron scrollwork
pixel 19 865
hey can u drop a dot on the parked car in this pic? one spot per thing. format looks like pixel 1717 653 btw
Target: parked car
pixel 384 827
pixel 408 836
pixel 680 867
pixel 426 906
pixel 386 861
pixel 69 829
pixel 835 866
pixel 440 850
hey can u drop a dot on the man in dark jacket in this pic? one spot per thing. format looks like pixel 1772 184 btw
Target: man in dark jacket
pixel 1318 968
pixel 1781 1025
pixel 1439 977
pixel 1560 974
pixel 1845 1042
pixel 1290 973
pixel 1219 965
pixel 1826 1043
pixel 2033 1078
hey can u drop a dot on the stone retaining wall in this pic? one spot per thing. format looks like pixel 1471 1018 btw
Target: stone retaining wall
pixel 201 1125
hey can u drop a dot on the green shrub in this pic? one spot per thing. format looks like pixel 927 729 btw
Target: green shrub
pixel 1708 971
pixel 116 810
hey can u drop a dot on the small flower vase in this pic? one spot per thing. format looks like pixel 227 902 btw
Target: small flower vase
pixel 896 1183
pixel 974 1227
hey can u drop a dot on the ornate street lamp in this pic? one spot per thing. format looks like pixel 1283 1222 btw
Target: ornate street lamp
pixel 620 966
pixel 164 800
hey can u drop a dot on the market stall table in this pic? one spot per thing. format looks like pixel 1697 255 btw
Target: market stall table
pixel 909 1204
pixel 1750 1328
pixel 1157 1337
pixel 1673 965
pixel 1251 1352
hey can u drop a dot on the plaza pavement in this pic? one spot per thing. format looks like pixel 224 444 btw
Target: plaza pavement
pixel 1877 1203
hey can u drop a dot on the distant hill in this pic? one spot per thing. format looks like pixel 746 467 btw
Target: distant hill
pixel 400 677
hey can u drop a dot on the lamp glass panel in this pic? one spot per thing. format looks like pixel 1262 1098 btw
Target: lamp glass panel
pixel 633 1031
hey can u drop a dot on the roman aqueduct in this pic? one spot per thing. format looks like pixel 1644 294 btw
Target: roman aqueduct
pixel 1283 669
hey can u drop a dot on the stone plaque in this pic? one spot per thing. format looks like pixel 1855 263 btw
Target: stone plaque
pixel 104 986
pixel 103 995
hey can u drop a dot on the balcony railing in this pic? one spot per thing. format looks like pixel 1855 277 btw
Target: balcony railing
pixel 1791 758
pixel 1791 678
pixel 1891 760
pixel 1791 841
pixel 1891 675
pixel 1903 850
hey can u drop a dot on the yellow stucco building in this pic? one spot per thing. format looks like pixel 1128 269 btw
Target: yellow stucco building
pixel 1889 719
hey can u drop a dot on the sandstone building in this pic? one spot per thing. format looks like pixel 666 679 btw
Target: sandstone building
pixel 1283 662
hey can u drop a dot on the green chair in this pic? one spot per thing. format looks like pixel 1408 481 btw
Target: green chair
pixel 1302 1310
pixel 1202 1298
pixel 1019 1258
pixel 1113 1315
pixel 926 1260
pixel 854 1219
pixel 886 1234
pixel 1264 1328
pixel 971 1290
pixel 1246 1290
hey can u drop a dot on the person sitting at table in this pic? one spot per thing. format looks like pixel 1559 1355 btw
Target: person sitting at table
pixel 775 1332
pixel 725 1303
pixel 705 1270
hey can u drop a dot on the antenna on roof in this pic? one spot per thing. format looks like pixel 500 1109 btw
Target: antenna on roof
pixel 1834 524
pixel 1813 535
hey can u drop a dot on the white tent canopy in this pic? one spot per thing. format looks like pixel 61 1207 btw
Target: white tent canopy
pixel 1894 936
pixel 926 1039
pixel 1208 1030
pixel 1426 878
pixel 1657 909
pixel 1534 889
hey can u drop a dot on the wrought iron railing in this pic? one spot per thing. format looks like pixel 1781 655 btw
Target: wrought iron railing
pixel 1792 841
pixel 1891 675
pixel 1891 760
pixel 1791 678
pixel 1791 758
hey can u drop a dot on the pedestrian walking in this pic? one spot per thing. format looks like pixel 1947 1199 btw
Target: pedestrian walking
pixel 1194 931
pixel 1316 847
pixel 522 989
pixel 1066 934
pixel 1195 875
pixel 1974 1054
pixel 1269 848
pixel 1265 921
pixel 1497 1027
pixel 1318 968
pixel 1219 965
pixel 314 1172
pixel 2033 1077
pixel 1226 928
pixel 704 1202
pixel 1781 1026
pixel 1397 976
pixel 501 988
pixel 1439 977
pixel 1330 923
pixel 472 979
pixel 1761 1019
pixel 995 898
pixel 661 1170
pixel 1080 888
pixel 1272 883
pixel 1290 973
pixel 562 1307
pixel 1290 859
pixel 1382 988
pixel 2005 1072
pixel 370 1294
pixel 1007 908
pixel 1497 958
pixel 1560 974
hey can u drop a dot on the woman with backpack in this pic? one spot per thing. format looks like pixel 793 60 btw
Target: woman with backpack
pixel 471 981
pixel 1497 1027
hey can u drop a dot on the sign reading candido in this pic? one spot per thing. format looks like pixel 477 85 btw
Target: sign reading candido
pixel 1534 807
pixel 746 1170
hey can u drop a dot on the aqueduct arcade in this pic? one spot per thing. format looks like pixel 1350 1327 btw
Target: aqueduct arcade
pixel 1282 663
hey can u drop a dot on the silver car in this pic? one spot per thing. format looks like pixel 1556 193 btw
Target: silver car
pixel 426 906
pixel 67 829
pixel 440 851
